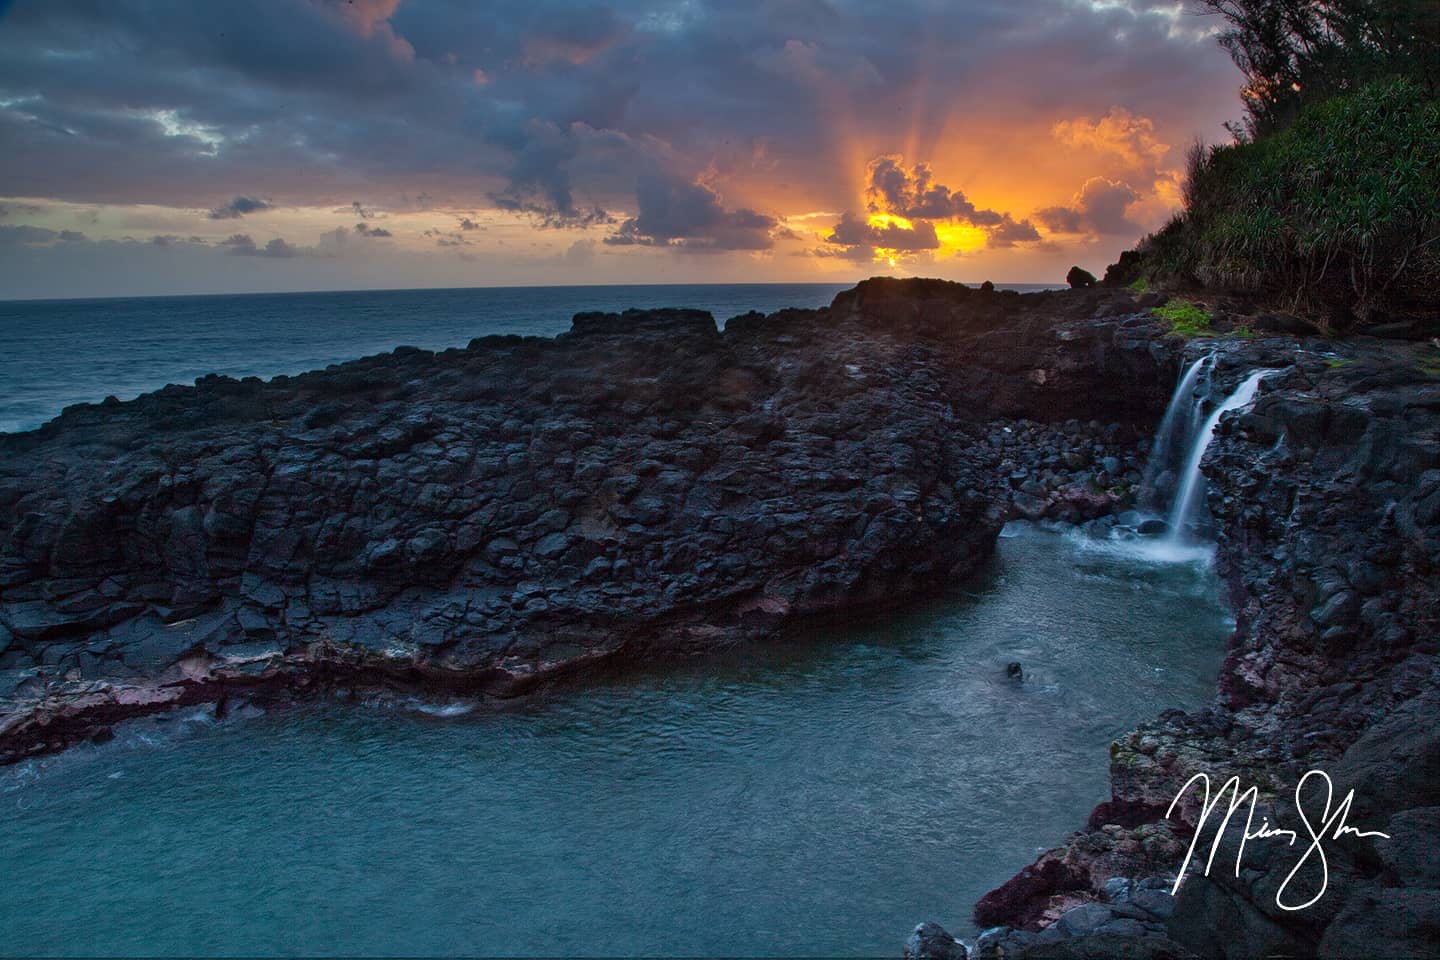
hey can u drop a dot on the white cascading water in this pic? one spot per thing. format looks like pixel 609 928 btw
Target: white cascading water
pixel 1176 426
pixel 1190 497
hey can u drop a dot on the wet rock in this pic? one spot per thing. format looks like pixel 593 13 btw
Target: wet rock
pixel 930 941
pixel 1327 539
pixel 1384 924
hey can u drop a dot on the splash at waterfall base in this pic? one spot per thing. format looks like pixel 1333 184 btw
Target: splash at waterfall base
pixel 1171 522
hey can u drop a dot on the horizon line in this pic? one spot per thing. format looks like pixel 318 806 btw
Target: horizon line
pixel 520 286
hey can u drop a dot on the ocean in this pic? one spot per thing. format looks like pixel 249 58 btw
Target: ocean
pixel 60 352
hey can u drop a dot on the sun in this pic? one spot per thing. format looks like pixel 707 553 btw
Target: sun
pixel 883 220
pixel 955 238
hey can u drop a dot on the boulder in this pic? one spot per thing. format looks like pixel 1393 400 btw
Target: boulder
pixel 930 941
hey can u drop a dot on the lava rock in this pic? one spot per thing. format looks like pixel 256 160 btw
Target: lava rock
pixel 930 941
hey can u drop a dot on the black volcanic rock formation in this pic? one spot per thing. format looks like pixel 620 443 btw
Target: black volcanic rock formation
pixel 483 518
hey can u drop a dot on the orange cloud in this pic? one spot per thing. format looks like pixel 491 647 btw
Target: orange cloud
pixel 1119 133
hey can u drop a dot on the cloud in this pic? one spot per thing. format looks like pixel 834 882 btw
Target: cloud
pixel 8 210
pixel 1008 232
pixel 905 205
pixel 540 178
pixel 241 245
pixel 686 214
pixel 238 208
pixel 779 102
pixel 1120 134
pixel 292 89
pixel 25 234
pixel 443 238
pixel 580 252
pixel 1098 208
pixel 850 232
pixel 576 39
pixel 914 194
pixel 375 233
pixel 28 235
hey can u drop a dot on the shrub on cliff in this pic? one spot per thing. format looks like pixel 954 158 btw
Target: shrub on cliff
pixel 1337 215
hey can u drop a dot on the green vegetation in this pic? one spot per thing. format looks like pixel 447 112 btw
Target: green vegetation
pixel 1328 202
pixel 1139 286
pixel 1298 53
pixel 1336 363
pixel 1337 216
pixel 1186 318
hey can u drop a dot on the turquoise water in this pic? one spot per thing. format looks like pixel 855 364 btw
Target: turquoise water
pixel 819 796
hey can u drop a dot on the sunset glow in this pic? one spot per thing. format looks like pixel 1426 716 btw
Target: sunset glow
pixel 958 238
pixel 419 143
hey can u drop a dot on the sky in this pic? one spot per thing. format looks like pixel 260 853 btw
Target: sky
pixel 174 146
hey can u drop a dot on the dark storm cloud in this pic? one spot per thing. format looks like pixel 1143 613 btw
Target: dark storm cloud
pixel 375 233
pixel 238 208
pixel 547 106
pixel 690 215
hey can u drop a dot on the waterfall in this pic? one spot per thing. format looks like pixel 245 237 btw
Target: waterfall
pixel 1179 422
pixel 1190 498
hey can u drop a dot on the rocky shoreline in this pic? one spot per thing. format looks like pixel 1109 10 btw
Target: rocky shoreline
pixel 481 520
